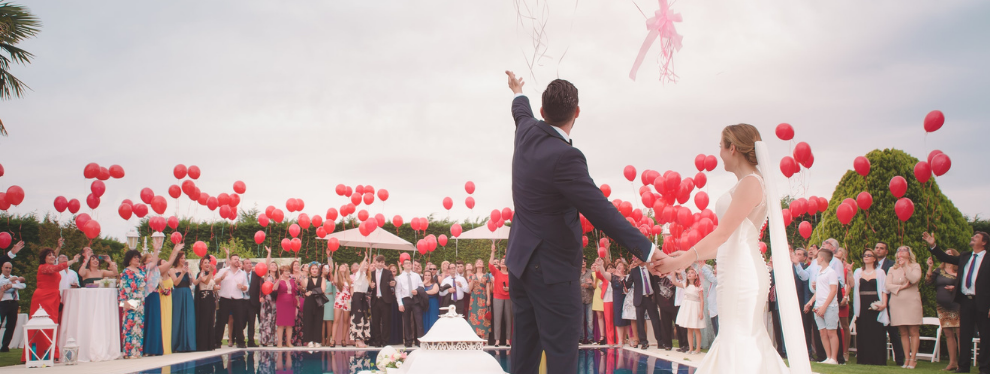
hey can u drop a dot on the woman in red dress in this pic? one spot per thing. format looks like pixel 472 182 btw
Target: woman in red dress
pixel 47 294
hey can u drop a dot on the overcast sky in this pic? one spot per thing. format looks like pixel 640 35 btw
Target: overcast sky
pixel 294 98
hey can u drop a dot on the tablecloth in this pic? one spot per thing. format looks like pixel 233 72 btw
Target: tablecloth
pixel 91 316
pixel 16 341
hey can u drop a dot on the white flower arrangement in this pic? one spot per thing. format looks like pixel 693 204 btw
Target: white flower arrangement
pixel 389 358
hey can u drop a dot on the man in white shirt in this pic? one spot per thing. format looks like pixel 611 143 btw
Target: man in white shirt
pixel 70 279
pixel 826 306
pixel 9 285
pixel 233 286
pixel 457 289
pixel 407 286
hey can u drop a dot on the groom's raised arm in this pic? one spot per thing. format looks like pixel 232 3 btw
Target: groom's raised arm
pixel 521 109
pixel 573 181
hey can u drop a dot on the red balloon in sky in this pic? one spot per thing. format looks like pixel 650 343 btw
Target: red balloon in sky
pixel 629 172
pixel 845 213
pixel 356 198
pixel 710 162
pixel 140 210
pixel 193 172
pixel 369 198
pixel 104 174
pixel 174 191
pixel 922 171
pixel 699 162
pixel 904 209
pixel 455 230
pixel 91 170
pixel 92 201
pixel 61 203
pixel 15 195
pixel 507 214
pixel 147 195
pixel 263 220
pixel 303 221
pixel 931 156
pixel 469 202
pixel 701 200
pixel 278 215
pixel 91 229
pixel 805 229
pixel 862 165
pixel 397 221
pixel 116 171
pixel 785 132
pixel 898 186
pixel 212 203
pixel 606 190
pixel 934 120
pixel 700 179
pixel 294 230
pixel 941 164
pixel 864 200
pixel 199 248
pixel 787 166
pixel 176 237
pixel 469 187
pixel 239 187
pixel 331 214
pixel 383 195
pixel 179 171
pixel 801 152
pixel 73 206
pixel 125 211
pixel 340 190
pixel 448 203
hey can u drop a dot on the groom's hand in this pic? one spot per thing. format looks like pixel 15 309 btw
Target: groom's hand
pixel 515 84
pixel 661 262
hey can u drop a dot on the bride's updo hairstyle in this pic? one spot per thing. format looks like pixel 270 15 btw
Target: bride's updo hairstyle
pixel 744 137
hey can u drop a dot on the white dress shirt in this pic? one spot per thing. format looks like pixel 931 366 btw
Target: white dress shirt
pixel 811 273
pixel 11 294
pixel 378 282
pixel 230 286
pixel 69 277
pixel 978 257
pixel 458 283
pixel 405 283
pixel 359 282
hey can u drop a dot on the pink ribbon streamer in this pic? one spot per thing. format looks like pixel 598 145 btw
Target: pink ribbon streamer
pixel 661 25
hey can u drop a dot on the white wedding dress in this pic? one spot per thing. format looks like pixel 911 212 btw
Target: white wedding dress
pixel 743 344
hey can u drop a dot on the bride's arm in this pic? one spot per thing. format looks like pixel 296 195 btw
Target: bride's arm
pixel 748 194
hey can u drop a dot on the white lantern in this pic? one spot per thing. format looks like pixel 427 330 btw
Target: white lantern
pixel 132 239
pixel 70 352
pixel 37 330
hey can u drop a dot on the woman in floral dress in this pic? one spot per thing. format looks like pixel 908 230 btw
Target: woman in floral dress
pixel 267 316
pixel 132 290
pixel 478 284
pixel 300 277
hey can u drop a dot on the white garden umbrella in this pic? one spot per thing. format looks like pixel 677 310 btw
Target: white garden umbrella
pixel 379 239
pixel 482 232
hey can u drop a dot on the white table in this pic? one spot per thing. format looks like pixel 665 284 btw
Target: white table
pixel 17 341
pixel 91 317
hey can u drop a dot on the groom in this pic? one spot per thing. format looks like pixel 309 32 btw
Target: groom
pixel 550 186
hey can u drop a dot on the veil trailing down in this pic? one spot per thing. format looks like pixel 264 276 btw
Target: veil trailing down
pixel 743 344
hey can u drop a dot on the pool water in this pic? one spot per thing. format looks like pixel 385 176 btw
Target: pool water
pixel 591 361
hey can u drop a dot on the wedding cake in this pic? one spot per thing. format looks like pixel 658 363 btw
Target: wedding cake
pixel 451 346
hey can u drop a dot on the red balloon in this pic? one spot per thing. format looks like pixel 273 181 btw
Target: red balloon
pixel 359 189
pixel 625 208
pixel 260 269
pixel 73 206
pixel 286 244
pixel 333 244
pixel 862 165
pixel 787 217
pixel 278 215
pixel 469 187
pixel 188 187
pixel 606 190
pixel 125 211
pixel 91 170
pixel 455 230
pixel 672 181
pixel 179 171
pixel 701 200
pixel 931 156
pixel 383 195
pixel 317 220
pixel 225 212
pixel 629 172
pixel 648 198
pixel 263 220
pixel 321 232
pixel 303 221
pixel 240 187
pixel 81 221
pixel 147 195
pixel 296 244
pixel 212 203
pixel 104 174
pixel 61 203
pixel 798 207
pixel 348 191
pixel 812 205
pixel 904 209
pixel 865 200
pixel 649 176
pixel 397 221
pixel 5 240
pixel 763 247
pixel 700 180
pixel 199 248
pixel 710 162
pixel 363 215
pixel 294 230
pixel 331 214
pixel 684 217
pixel 805 229
pixel 174 191
pixel 496 215
pixel 808 162
pixel 898 186
pixel 234 199
pixel 350 209
pixel 356 198
pixel 176 237
pixel 507 214
pixel 421 246
pixel 448 203
pixel 822 204
pixel 602 251
pixel 469 202
pixel 266 288
pixel 340 190
pixel 158 204
pixel 91 200
pixel 787 166
pixel 845 213
pixel 940 164
pixel 699 162
pixel 173 222
pixel 785 132
pixel 934 120
pixel 365 228
pixel 922 171
pixel 140 210
pixel 369 198
pixel 91 229
pixel 194 172
pixel 380 220
pixel 116 171
pixel 442 240
pixel 801 152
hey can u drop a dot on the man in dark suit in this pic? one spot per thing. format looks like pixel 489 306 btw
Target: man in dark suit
pixel 644 291
pixel 884 263
pixel 972 294
pixel 664 293
pixel 382 298
pixel 550 187
pixel 253 302
pixel 799 257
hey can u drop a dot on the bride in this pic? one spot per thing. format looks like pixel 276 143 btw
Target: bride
pixel 743 344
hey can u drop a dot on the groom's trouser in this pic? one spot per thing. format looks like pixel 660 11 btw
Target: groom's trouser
pixel 682 341
pixel 412 321
pixel 557 307
pixel 648 306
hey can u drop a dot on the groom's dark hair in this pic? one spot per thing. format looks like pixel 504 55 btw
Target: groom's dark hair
pixel 560 100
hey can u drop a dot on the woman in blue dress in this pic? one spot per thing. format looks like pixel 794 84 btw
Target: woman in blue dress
pixel 183 309
pixel 433 291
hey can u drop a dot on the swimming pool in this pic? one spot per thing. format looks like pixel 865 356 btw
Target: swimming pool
pixel 591 361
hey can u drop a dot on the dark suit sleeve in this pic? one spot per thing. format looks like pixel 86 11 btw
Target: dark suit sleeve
pixel 521 109
pixel 573 181
pixel 944 257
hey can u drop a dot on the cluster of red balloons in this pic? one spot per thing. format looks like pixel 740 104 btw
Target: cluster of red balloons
pixel 95 171
pixel 88 226
pixel 705 162
pixel 428 244
pixel 419 224
pixel 802 155
pixel 61 204
pixel 291 245
pixel 498 218
pixel 14 196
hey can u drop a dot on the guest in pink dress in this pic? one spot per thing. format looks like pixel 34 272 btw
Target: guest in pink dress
pixel 285 306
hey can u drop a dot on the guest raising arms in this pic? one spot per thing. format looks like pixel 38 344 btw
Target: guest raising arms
pixel 206 306
pixel 501 304
pixel 478 284
pixel 266 319
pixel 360 326
pixel 46 295
pixel 90 272
pixel 342 307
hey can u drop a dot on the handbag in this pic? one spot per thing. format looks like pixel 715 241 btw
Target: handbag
pixel 320 297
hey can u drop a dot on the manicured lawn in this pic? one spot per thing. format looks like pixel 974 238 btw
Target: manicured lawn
pixel 852 368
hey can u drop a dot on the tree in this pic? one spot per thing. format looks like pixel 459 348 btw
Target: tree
pixel 16 24
pixel 934 212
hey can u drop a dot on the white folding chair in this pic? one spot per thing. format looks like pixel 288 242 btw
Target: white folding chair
pixel 852 334
pixel 935 355
pixel 976 349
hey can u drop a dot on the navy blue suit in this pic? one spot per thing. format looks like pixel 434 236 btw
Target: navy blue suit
pixel 550 186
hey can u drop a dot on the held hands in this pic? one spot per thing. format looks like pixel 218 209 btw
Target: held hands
pixel 515 84
pixel 928 238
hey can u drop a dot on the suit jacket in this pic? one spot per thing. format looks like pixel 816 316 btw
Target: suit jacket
pixel 388 294
pixel 254 290
pixel 982 281
pixel 550 186
pixel 803 291
pixel 636 277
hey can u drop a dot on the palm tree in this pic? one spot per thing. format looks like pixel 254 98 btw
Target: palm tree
pixel 16 24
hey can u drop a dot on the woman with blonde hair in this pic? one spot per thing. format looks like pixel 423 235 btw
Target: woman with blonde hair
pixel 944 280
pixel 360 328
pixel 342 306
pixel 905 302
